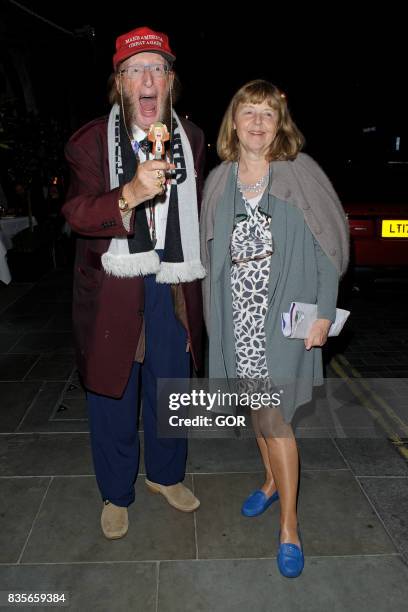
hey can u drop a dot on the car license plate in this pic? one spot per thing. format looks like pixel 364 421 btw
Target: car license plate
pixel 394 228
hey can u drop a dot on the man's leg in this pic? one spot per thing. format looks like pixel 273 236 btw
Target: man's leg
pixel 115 441
pixel 165 357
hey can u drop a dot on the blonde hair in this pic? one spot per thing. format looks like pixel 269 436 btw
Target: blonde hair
pixel 288 140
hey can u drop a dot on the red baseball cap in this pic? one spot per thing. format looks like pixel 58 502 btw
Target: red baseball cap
pixel 140 40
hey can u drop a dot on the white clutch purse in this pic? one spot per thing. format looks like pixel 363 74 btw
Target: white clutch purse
pixel 297 322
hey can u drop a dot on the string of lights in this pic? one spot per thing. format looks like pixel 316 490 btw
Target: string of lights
pixel 86 30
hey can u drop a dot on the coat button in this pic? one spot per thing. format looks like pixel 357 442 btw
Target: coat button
pixel 318 230
pixel 333 251
pixel 305 206
pixel 140 313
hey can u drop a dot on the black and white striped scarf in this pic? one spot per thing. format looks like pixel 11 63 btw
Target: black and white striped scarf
pixel 134 255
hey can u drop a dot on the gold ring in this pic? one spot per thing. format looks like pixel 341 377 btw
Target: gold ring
pixel 159 174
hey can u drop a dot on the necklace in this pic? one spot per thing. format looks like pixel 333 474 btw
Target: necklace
pixel 256 187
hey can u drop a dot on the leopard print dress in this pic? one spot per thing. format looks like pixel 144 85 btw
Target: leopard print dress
pixel 251 249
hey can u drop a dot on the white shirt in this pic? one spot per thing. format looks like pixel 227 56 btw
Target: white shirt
pixel 253 202
pixel 161 202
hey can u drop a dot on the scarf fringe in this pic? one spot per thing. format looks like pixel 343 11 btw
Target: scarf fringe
pixel 135 264
pixel 181 272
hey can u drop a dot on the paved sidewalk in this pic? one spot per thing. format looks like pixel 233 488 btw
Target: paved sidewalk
pixel 353 502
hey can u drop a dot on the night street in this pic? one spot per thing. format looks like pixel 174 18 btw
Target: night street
pixel 354 491
pixel 163 166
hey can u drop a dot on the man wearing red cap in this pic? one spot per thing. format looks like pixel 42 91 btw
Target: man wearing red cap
pixel 137 299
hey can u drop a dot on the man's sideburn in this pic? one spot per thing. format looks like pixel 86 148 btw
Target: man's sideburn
pixel 130 118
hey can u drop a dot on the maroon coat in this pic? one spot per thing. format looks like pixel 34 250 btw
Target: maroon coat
pixel 108 311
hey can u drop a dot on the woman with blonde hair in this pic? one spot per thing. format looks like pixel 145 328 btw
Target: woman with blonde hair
pixel 272 232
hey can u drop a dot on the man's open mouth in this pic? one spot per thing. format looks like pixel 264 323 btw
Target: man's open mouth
pixel 148 105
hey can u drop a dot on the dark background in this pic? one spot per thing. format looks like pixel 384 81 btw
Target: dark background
pixel 343 73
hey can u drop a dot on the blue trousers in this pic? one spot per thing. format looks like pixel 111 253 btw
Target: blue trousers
pixel 113 422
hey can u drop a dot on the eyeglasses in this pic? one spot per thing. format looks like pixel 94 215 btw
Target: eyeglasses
pixel 136 71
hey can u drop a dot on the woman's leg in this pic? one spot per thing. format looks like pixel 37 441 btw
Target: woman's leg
pixel 284 461
pixel 269 486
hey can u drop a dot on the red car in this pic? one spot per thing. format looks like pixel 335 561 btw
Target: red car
pixel 379 234
pixel 375 198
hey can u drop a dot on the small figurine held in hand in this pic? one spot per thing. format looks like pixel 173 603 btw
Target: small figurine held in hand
pixel 158 135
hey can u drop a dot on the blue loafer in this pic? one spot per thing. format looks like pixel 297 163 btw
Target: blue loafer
pixel 257 503
pixel 290 558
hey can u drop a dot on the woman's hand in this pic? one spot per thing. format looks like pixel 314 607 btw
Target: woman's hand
pixel 318 333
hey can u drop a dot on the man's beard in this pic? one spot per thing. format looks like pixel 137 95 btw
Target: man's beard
pixel 130 113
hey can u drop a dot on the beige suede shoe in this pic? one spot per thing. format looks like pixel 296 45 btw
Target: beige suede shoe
pixel 177 495
pixel 114 521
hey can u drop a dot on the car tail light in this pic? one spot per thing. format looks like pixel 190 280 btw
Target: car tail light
pixel 362 228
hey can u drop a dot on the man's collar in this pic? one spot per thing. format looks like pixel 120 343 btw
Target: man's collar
pixel 138 133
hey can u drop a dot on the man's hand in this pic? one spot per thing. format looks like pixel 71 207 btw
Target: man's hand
pixel 148 182
pixel 318 333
